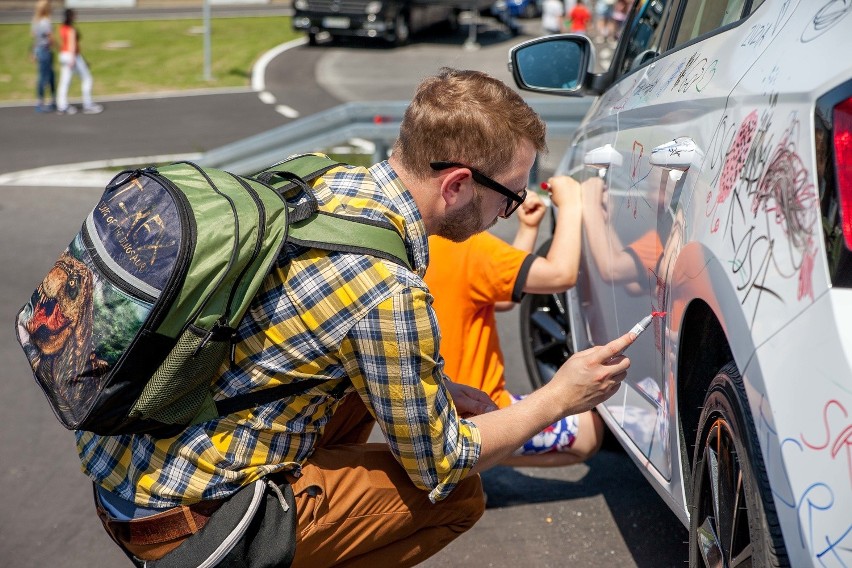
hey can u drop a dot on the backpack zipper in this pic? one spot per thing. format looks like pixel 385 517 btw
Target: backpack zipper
pixel 223 323
pixel 118 281
pixel 175 282
pixel 261 234
pixel 187 245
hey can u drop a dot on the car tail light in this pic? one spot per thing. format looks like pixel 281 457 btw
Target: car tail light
pixel 843 164
pixel 833 161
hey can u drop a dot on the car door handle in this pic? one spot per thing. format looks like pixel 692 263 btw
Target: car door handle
pixel 679 154
pixel 602 158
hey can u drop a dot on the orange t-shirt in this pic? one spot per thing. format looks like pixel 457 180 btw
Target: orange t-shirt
pixel 580 17
pixel 66 35
pixel 466 279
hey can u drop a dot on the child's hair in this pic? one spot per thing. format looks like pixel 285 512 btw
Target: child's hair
pixel 69 17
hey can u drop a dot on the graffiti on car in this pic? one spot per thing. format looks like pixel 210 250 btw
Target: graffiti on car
pixel 829 15
pixel 811 501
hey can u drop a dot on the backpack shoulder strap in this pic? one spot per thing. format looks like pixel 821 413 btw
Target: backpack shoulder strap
pixel 328 231
pixel 307 166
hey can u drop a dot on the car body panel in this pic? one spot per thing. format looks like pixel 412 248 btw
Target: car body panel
pixel 683 96
pixel 740 240
pixel 809 460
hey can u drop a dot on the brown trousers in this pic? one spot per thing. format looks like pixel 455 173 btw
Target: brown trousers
pixel 357 506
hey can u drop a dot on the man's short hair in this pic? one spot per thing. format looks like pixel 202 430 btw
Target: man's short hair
pixel 469 117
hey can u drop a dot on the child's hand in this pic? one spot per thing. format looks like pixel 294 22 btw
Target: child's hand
pixel 564 191
pixel 531 211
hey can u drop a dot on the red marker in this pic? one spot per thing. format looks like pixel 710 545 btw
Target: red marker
pixel 641 326
pixel 646 321
pixel 545 186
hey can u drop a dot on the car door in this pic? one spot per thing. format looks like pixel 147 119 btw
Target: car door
pixel 672 121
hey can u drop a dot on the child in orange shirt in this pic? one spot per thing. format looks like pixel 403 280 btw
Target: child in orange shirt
pixel 580 17
pixel 473 279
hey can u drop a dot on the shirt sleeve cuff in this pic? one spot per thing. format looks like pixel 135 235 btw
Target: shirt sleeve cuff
pixel 521 280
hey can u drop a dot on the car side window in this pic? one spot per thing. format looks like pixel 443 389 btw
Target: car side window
pixel 703 16
pixel 644 34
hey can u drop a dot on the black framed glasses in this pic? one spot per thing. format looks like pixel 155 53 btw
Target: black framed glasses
pixel 513 200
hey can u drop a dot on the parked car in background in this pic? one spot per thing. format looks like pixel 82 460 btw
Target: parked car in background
pixel 716 165
pixel 391 20
pixel 524 8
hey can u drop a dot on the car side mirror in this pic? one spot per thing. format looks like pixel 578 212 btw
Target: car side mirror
pixel 554 64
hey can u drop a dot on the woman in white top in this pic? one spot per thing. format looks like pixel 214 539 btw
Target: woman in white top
pixel 552 15
pixel 42 53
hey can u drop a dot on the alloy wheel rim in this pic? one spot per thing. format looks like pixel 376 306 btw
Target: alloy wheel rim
pixel 723 536
pixel 548 341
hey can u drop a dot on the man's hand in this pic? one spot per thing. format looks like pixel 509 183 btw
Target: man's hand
pixel 532 210
pixel 585 380
pixel 469 401
pixel 590 377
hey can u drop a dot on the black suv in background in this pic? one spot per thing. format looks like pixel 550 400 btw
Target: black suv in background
pixel 391 20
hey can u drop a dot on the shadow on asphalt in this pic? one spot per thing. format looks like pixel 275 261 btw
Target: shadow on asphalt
pixel 641 517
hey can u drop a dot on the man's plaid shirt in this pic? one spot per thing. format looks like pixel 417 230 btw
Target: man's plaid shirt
pixel 319 314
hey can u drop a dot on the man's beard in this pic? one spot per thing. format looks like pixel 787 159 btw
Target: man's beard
pixel 463 223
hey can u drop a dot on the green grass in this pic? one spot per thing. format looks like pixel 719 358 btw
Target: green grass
pixel 149 56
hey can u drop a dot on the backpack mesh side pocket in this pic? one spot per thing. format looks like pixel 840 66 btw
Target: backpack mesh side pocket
pixel 178 390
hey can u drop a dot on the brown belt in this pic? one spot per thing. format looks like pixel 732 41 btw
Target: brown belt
pixel 175 523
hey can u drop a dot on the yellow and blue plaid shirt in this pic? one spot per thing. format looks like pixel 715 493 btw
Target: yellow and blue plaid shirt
pixel 344 317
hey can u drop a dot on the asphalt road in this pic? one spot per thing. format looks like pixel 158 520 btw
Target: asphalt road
pixel 601 513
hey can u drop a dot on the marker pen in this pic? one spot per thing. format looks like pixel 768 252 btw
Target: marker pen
pixel 645 322
pixel 642 325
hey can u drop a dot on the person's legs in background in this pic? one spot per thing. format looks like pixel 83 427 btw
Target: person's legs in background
pixel 570 441
pixel 46 79
pixel 86 82
pixel 66 69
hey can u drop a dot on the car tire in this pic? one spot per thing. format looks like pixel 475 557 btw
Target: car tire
pixel 733 521
pixel 401 30
pixel 312 38
pixel 545 333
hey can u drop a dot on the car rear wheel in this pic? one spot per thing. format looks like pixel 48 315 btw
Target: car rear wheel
pixel 733 522
pixel 545 333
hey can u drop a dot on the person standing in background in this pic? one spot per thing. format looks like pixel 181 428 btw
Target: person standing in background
pixel 71 61
pixel 619 15
pixel 42 53
pixel 580 17
pixel 552 14
pixel 603 14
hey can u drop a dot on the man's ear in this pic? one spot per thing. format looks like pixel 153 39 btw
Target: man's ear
pixel 456 187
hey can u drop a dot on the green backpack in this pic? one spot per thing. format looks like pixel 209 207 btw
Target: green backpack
pixel 127 330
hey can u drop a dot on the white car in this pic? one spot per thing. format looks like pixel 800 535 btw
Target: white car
pixel 716 164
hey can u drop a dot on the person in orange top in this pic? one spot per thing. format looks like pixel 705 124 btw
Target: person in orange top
pixel 72 62
pixel 471 280
pixel 580 17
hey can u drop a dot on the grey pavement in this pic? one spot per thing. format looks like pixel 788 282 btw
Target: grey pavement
pixel 601 513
